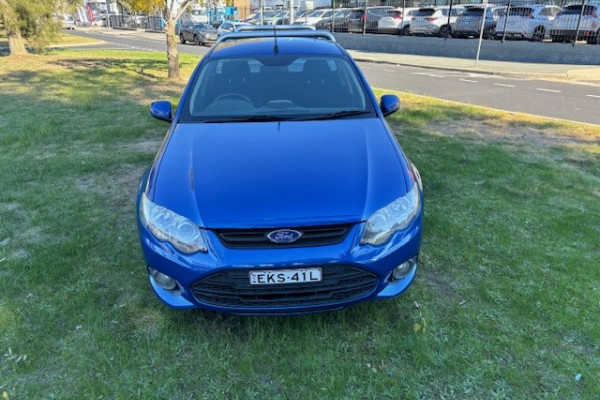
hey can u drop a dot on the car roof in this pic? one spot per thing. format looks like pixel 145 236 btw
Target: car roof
pixel 262 42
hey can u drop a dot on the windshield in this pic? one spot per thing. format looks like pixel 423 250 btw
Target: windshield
pixel 576 9
pixel 275 87
pixel 316 13
pixel 475 12
pixel 425 12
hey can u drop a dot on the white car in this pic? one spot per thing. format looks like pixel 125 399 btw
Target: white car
pixel 230 26
pixel 531 22
pixel 68 21
pixel 435 21
pixel 564 25
pixel 396 22
pixel 315 16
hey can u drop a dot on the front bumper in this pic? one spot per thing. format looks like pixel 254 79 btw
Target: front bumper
pixel 353 272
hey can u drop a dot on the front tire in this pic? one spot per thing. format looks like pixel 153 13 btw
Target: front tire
pixel 595 38
pixel 538 34
pixel 181 38
pixel 445 32
pixel 196 40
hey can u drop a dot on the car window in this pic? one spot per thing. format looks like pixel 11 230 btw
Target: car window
pixel 521 11
pixel 275 85
pixel 576 9
pixel 425 12
pixel 473 12
pixel 549 11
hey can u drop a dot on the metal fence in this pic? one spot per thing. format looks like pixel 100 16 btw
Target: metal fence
pixel 534 20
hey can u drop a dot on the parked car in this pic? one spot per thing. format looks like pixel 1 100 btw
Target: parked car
pixel 434 21
pixel 396 21
pixel 230 26
pixel 531 22
pixel 252 206
pixel 564 26
pixel 339 19
pixel 315 16
pixel 199 34
pixel 468 24
pixel 68 21
pixel 268 18
pixel 356 20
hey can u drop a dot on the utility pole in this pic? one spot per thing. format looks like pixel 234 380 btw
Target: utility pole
pixel 485 3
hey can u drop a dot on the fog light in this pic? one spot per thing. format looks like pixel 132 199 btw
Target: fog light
pixel 403 269
pixel 162 280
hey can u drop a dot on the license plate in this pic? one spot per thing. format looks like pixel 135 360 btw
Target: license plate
pixel 283 276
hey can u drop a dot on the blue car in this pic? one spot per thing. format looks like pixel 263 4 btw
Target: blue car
pixel 279 187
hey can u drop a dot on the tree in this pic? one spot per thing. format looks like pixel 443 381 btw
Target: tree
pixel 171 18
pixel 16 44
pixel 32 20
pixel 146 6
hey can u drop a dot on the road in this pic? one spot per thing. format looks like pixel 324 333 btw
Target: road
pixel 554 99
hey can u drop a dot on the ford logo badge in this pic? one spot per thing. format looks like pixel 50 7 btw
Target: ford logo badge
pixel 284 236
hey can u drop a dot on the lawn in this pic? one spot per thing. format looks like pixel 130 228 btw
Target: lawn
pixel 505 304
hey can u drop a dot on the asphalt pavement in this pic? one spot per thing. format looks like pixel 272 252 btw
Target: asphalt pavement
pixel 584 73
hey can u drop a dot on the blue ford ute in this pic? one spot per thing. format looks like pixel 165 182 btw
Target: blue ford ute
pixel 279 187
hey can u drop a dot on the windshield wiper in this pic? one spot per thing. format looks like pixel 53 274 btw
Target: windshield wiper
pixel 271 117
pixel 335 115
pixel 250 118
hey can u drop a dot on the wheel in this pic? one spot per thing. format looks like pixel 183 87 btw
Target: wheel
pixel 594 38
pixel 445 31
pixel 405 30
pixel 225 96
pixel 196 40
pixel 181 38
pixel 538 34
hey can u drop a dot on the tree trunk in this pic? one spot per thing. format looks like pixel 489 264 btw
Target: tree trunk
pixel 16 44
pixel 172 51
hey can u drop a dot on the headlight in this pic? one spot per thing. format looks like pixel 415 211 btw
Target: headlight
pixel 392 218
pixel 170 227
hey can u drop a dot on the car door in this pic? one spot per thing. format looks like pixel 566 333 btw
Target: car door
pixel 188 31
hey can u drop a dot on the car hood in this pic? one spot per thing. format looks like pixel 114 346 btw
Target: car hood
pixel 279 174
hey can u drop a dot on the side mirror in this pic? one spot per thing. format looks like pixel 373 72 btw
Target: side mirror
pixel 389 104
pixel 161 109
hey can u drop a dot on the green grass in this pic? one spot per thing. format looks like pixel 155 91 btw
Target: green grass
pixel 505 305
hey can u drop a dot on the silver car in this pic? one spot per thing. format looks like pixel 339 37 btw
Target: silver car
pixel 435 21
pixel 469 23
pixel 396 21
pixel 531 22
pixel 199 34
pixel 564 27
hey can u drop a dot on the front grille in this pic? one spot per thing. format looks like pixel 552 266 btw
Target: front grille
pixel 231 288
pixel 257 238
